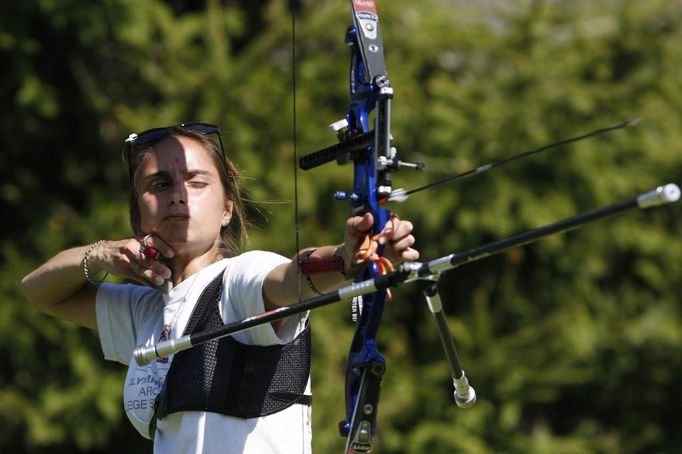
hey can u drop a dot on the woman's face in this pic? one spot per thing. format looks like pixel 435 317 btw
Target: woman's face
pixel 181 197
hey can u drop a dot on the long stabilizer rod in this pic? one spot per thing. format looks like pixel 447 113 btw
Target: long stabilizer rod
pixel 662 195
pixel 410 272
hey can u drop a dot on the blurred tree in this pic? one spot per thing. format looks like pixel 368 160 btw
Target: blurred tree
pixel 573 343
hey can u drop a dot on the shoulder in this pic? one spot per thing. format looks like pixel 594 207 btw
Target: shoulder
pixel 138 300
pixel 130 292
pixel 255 262
pixel 258 255
pixel 124 313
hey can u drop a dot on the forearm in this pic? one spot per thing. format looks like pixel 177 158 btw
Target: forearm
pixel 290 283
pixel 58 279
pixel 321 270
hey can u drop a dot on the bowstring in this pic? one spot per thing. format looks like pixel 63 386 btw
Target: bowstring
pixel 294 138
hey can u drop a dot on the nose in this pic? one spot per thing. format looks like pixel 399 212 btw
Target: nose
pixel 178 195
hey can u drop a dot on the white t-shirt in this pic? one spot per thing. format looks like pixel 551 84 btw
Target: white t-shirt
pixel 132 315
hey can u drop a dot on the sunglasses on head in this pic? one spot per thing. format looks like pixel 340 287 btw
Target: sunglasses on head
pixel 150 136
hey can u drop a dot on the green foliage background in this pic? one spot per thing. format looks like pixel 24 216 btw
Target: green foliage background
pixel 573 343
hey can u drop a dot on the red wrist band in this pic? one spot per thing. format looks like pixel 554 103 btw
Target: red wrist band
pixel 308 265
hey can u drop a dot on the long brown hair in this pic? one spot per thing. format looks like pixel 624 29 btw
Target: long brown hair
pixel 234 234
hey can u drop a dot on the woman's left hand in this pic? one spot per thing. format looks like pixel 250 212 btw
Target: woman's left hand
pixel 396 237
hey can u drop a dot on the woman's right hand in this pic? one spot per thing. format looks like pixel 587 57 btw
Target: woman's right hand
pixel 135 258
pixel 57 286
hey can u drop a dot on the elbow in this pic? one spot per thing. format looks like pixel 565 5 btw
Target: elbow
pixel 33 294
pixel 27 288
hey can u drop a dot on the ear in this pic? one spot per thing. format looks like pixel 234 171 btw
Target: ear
pixel 227 214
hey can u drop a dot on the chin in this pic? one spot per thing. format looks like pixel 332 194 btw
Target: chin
pixel 175 235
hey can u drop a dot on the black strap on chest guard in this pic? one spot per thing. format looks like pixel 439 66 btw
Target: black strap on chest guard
pixel 227 377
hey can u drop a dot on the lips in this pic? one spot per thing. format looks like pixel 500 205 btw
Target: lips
pixel 176 217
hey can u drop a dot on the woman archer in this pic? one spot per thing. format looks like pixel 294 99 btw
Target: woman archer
pixel 246 393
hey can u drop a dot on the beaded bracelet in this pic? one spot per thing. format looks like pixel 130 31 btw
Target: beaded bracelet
pixel 85 264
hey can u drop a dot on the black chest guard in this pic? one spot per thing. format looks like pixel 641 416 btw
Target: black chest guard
pixel 227 377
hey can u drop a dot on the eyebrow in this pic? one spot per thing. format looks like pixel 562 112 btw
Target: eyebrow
pixel 187 174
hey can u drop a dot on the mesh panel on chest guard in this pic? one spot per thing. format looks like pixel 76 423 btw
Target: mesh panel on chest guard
pixel 227 377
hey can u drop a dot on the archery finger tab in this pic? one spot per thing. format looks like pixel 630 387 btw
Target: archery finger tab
pixel 150 252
